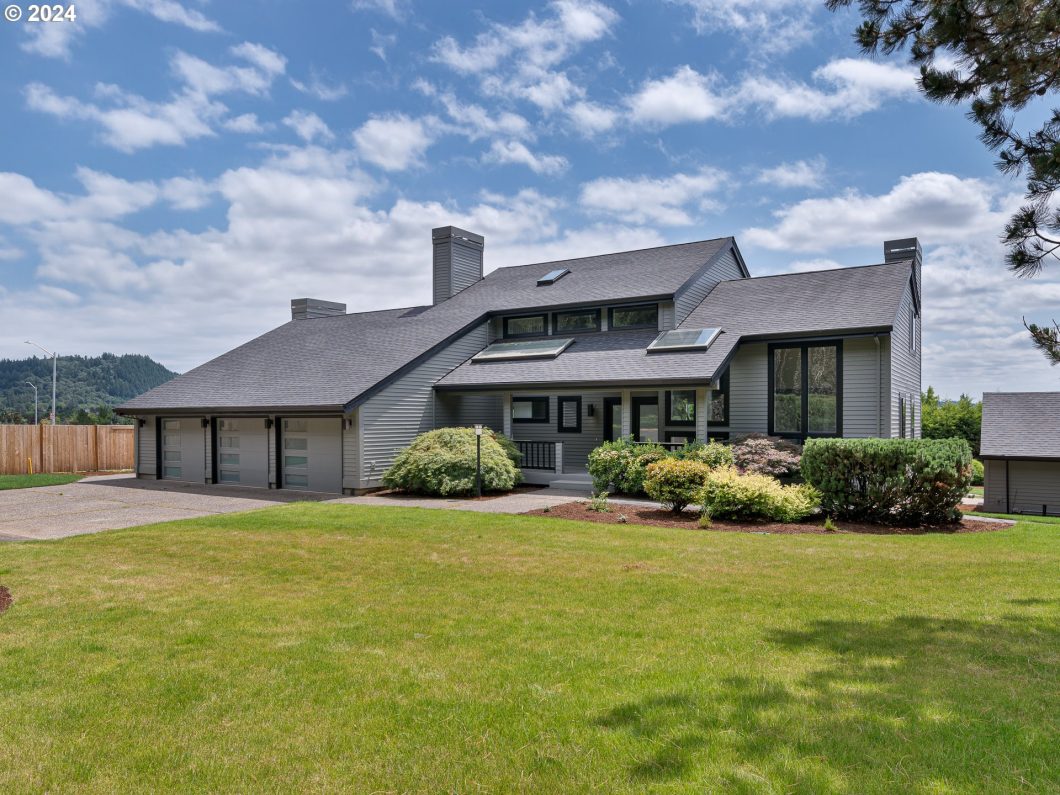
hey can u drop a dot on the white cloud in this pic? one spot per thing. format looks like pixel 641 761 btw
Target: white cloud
pixel 187 193
pixel 395 142
pixel 819 264
pixel 591 119
pixel 684 96
pixel 395 9
pixel 797 174
pixel 669 201
pixel 517 152
pixel 308 126
pixel 381 42
pixel 519 61
pixel 130 122
pixel 244 123
pixel 771 26
pixel 940 208
pixel 843 88
pixel 55 40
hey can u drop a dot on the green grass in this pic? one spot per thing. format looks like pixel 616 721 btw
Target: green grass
pixel 33 481
pixel 976 490
pixel 347 648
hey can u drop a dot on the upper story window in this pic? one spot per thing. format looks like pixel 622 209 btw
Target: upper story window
pixel 625 317
pixel 575 322
pixel 526 326
pixel 912 329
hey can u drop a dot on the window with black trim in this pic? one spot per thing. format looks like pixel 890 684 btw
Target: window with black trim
pixel 901 416
pixel 569 411
pixel 719 402
pixel 526 326
pixel 576 322
pixel 718 437
pixel 626 317
pixel 530 409
pixel 680 437
pixel 912 330
pixel 681 407
pixel 806 389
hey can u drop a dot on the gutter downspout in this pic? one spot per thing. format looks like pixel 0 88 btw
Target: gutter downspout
pixel 879 383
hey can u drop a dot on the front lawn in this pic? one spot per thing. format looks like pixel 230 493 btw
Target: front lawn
pixel 33 481
pixel 347 648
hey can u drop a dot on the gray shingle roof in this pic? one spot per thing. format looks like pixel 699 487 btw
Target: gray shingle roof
pixel 615 357
pixel 1021 424
pixel 816 302
pixel 325 363
pixel 847 299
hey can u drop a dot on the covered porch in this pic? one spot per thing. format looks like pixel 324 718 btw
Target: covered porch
pixel 556 429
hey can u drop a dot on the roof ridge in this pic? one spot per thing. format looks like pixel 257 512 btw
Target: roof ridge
pixel 613 253
pixel 818 270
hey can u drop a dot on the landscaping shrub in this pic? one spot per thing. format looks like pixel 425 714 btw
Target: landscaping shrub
pixel 621 465
pixel 442 463
pixel 978 472
pixel 674 482
pixel 895 481
pixel 731 494
pixel 766 455
pixel 713 454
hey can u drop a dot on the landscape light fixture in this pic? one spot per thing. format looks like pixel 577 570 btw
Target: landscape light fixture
pixel 55 357
pixel 478 460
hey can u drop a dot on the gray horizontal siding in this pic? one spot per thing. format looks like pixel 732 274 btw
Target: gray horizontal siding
pixel 395 415
pixel 146 448
pixel 905 369
pixel 865 381
pixel 994 486
pixel 350 453
pixel 749 390
pixel 1032 485
pixel 462 411
pixel 576 446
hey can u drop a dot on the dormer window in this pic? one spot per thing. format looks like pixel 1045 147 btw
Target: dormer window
pixel 576 322
pixel 526 326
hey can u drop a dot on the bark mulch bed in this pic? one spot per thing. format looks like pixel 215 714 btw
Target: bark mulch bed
pixel 6 600
pixel 636 514
pixel 523 488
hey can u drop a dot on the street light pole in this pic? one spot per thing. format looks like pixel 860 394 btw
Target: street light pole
pixel 54 372
pixel 35 420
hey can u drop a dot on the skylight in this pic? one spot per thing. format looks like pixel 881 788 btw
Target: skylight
pixel 524 349
pixel 553 276
pixel 685 339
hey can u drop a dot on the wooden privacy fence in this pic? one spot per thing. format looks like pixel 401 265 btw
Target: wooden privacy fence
pixel 65 448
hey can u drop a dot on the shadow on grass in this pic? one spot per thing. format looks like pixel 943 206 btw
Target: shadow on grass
pixel 908 703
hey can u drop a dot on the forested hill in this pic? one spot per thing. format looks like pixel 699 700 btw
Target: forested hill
pixel 88 385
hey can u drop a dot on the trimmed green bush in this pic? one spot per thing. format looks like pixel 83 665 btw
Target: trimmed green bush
pixel 978 472
pixel 674 482
pixel 713 454
pixel 893 481
pixel 731 494
pixel 442 463
pixel 621 465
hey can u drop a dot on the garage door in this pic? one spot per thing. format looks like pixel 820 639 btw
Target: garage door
pixel 243 452
pixel 1034 485
pixel 184 450
pixel 312 454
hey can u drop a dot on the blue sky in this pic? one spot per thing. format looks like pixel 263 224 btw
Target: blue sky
pixel 172 173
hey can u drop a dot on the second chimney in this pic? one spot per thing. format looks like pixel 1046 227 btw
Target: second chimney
pixel 309 308
pixel 457 260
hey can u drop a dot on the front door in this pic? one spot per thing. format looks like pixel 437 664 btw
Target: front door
pixel 646 419
pixel 612 418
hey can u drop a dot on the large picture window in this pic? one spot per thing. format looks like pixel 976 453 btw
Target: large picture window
pixel 576 322
pixel 719 403
pixel 527 326
pixel 530 409
pixel 805 390
pixel 642 316
pixel 681 407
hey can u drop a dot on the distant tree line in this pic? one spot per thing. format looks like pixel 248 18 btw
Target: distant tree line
pixel 89 387
pixel 945 419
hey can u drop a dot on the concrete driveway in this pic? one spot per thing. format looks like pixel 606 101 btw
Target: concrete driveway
pixel 115 501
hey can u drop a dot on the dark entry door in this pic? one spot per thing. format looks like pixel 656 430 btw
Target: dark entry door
pixel 646 419
pixel 612 418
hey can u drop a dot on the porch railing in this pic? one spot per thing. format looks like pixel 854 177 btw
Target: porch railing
pixel 668 445
pixel 537 455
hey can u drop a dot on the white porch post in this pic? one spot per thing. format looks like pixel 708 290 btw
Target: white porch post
pixel 559 458
pixel 506 407
pixel 627 411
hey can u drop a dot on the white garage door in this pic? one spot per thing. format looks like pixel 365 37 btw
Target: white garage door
pixel 1034 485
pixel 243 452
pixel 184 449
pixel 312 454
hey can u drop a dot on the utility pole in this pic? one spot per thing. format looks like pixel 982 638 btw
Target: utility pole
pixel 36 421
pixel 55 371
